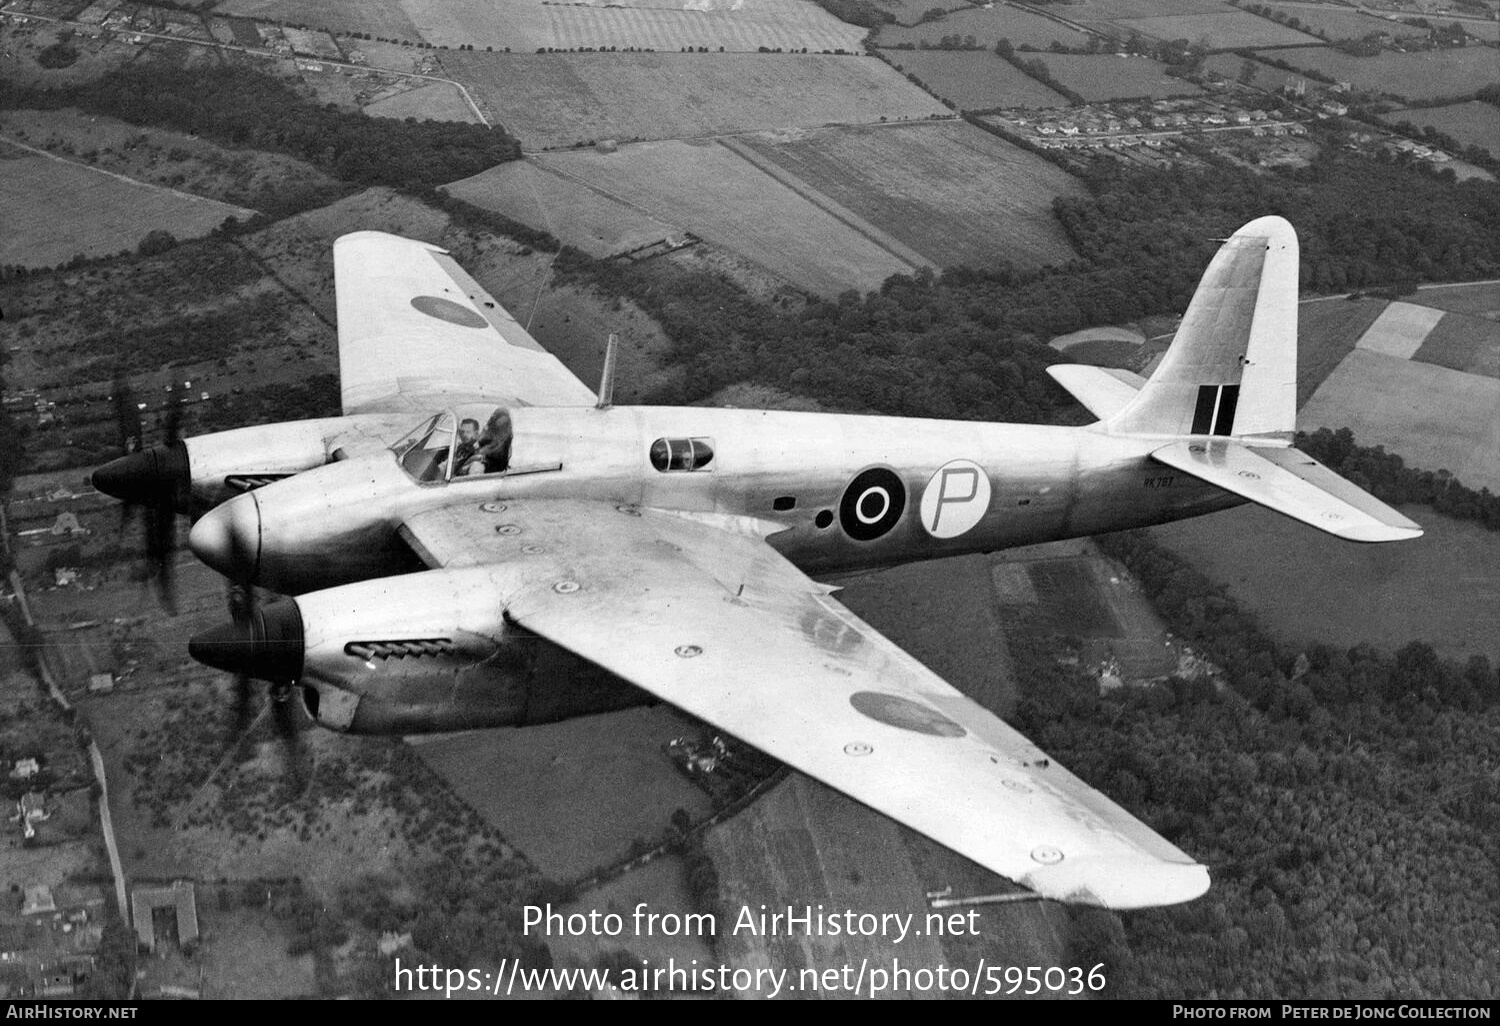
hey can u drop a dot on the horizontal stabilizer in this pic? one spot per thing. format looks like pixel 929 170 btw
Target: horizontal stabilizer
pixel 1104 390
pixel 1291 482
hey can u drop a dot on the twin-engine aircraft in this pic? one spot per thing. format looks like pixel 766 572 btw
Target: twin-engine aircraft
pixel 482 541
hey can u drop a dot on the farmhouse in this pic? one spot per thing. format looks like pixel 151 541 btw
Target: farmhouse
pixel 31 809
pixel 37 901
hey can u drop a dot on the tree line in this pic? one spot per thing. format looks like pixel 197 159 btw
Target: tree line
pixel 242 107
pixel 1386 476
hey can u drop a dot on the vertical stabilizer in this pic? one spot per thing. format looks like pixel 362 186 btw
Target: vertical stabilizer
pixel 1232 368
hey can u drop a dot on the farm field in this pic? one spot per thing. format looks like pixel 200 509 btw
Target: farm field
pixel 987 26
pixel 661 885
pixel 1109 352
pixel 1489 31
pixel 561 100
pixel 1225 31
pixel 385 18
pixel 55 209
pixel 954 193
pixel 1327 331
pixel 1462 342
pixel 721 197
pixel 907 12
pixel 437 102
pixel 571 796
pixel 1442 588
pixel 1069 589
pixel 976 79
pixel 576 214
pixel 1474 123
pixel 1339 22
pixel 805 844
pixel 1109 77
pixel 1433 417
pixel 245 957
pixel 1429 75
pixel 1111 10
pixel 943 613
pixel 527 25
pixel 1399 330
pixel 1482 299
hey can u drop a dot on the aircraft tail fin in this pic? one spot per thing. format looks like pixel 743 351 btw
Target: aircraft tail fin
pixel 1231 370
pixel 1223 401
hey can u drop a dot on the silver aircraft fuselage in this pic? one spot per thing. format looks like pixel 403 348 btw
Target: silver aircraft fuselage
pixel 848 493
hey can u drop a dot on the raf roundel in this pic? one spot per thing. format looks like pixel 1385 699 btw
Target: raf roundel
pixel 872 504
pixel 448 310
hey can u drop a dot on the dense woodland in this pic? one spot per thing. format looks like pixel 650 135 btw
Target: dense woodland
pixel 1345 800
pixel 238 106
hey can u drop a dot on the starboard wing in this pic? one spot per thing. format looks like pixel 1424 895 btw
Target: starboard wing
pixel 416 331
pixel 700 611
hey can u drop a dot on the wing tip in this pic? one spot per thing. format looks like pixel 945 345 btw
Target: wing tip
pixel 1380 532
pixel 370 238
pixel 1120 884
pixel 1272 227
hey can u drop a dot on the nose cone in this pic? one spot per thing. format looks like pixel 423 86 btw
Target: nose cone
pixel 268 644
pixel 227 538
pixel 158 476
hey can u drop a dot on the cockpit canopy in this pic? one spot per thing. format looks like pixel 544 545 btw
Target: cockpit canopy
pixel 468 441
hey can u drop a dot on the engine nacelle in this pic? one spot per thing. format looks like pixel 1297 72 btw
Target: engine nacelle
pixel 198 473
pixel 419 653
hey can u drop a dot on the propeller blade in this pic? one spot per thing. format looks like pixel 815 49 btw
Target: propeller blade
pixel 127 432
pixel 242 604
pixel 288 729
pixel 161 549
pixel 172 421
pixel 244 705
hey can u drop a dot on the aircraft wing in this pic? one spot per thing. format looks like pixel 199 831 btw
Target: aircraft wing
pixel 416 332
pixel 700 611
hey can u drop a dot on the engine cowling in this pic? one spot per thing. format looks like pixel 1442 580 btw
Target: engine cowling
pixel 419 653
pixel 197 473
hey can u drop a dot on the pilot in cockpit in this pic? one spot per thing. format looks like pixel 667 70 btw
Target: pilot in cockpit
pixel 492 454
pixel 468 442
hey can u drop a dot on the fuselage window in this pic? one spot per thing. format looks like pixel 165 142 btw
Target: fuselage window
pixel 673 454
